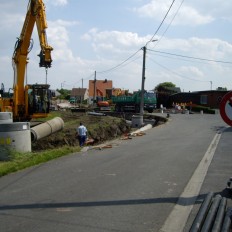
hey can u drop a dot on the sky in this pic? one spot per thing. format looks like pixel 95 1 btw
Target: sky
pixel 188 43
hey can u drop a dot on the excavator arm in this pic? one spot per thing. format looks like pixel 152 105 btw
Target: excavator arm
pixel 35 15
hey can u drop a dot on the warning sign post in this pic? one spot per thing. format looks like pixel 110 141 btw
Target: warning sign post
pixel 226 108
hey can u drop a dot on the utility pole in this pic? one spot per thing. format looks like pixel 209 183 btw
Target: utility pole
pixel 143 81
pixel 94 94
pixel 143 77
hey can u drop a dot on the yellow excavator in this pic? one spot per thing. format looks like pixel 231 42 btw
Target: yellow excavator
pixel 29 100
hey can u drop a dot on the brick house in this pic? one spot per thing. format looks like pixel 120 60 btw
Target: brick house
pixel 80 94
pixel 100 89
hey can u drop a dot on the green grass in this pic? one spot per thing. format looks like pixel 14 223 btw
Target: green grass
pixel 18 161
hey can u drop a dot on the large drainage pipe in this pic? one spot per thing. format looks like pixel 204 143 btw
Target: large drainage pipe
pixel 210 218
pixel 220 216
pixel 202 213
pixel 227 221
pixel 47 128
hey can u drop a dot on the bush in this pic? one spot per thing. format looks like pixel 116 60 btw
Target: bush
pixel 206 110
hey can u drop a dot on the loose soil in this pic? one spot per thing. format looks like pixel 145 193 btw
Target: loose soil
pixel 100 129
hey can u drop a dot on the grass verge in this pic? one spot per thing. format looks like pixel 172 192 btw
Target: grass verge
pixel 18 161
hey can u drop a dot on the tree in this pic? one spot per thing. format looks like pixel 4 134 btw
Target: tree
pixel 65 93
pixel 165 85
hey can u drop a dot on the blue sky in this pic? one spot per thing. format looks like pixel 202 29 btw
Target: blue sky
pixel 99 35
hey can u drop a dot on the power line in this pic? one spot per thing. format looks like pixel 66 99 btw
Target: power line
pixel 86 78
pixel 117 66
pixel 191 57
pixel 185 59
pixel 177 58
pixel 121 64
pixel 162 22
pixel 170 23
pixel 177 74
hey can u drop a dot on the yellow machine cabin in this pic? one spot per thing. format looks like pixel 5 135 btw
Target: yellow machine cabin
pixel 29 101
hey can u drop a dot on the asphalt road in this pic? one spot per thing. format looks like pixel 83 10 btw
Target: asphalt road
pixel 132 187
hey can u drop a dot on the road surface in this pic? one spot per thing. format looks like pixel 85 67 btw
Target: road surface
pixel 133 187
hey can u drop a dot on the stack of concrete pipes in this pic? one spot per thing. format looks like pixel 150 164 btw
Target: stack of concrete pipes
pixel 19 135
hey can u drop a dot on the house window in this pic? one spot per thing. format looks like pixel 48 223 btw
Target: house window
pixel 204 99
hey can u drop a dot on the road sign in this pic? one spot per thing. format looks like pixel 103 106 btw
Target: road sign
pixel 226 108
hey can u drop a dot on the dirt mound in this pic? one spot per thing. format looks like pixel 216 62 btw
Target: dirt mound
pixel 100 129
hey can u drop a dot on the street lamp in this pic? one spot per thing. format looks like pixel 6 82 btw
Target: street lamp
pixel 143 76
pixel 62 84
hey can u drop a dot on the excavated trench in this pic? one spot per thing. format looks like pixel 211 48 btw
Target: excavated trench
pixel 101 128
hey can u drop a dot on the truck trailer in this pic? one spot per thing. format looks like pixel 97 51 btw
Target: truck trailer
pixel 131 103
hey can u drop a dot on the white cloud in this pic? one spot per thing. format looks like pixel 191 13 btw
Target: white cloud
pixel 191 71
pixel 58 36
pixel 187 15
pixel 64 23
pixel 208 48
pixel 8 20
pixel 215 8
pixel 58 2
pixel 114 41
pixel 78 52
pixel 190 16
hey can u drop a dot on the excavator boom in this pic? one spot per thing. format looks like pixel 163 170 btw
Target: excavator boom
pixel 20 101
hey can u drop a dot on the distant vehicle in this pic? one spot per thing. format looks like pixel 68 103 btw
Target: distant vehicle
pixel 73 100
pixel 132 103
pixel 103 104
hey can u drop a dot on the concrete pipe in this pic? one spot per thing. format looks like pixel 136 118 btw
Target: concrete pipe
pixel 45 129
pixel 14 136
pixel 6 117
pixel 147 127
pixel 210 218
pixel 202 213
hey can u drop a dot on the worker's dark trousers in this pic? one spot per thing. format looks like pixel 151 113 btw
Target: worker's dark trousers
pixel 82 140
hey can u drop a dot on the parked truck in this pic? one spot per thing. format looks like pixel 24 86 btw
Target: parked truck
pixel 132 102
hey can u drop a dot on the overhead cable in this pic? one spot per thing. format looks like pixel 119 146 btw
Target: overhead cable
pixel 161 22
pixel 169 23
pixel 191 57
pixel 177 74
pixel 117 66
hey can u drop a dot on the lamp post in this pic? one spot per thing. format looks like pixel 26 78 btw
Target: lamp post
pixel 143 77
pixel 62 84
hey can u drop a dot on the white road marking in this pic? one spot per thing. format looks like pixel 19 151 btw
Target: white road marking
pixel 177 219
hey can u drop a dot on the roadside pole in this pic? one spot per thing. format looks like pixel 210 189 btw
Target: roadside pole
pixel 143 81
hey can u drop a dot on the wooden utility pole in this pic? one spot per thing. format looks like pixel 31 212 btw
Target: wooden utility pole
pixel 143 81
pixel 94 94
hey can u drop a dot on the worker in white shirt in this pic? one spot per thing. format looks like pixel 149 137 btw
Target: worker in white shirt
pixel 82 134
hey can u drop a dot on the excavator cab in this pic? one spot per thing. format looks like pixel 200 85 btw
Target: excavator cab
pixel 38 98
